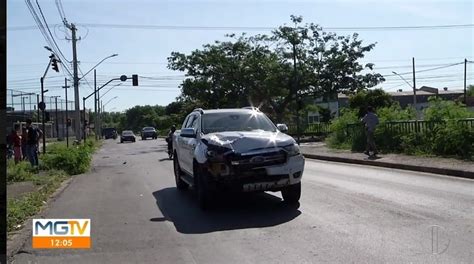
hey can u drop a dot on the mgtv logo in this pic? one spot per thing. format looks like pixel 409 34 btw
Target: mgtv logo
pixel 61 233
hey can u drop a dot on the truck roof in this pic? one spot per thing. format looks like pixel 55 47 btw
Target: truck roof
pixel 226 110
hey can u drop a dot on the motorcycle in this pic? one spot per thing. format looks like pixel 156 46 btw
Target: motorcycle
pixel 170 148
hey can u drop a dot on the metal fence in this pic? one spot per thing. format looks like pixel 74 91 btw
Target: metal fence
pixel 27 102
pixel 403 126
pixel 317 129
pixel 409 126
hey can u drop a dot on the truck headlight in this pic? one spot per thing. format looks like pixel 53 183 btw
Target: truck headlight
pixel 292 150
pixel 211 154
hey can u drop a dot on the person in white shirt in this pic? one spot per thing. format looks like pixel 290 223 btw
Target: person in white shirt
pixel 371 121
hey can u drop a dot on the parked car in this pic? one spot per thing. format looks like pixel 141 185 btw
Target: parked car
pixel 127 135
pixel 149 132
pixel 109 132
pixel 236 149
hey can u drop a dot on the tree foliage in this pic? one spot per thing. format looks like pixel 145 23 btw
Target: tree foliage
pixel 377 98
pixel 260 70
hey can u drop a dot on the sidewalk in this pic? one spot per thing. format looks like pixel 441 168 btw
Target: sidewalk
pixel 445 166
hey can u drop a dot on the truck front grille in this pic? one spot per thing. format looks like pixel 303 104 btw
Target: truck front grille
pixel 258 160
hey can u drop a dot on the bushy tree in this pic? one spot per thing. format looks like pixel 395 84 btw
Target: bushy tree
pixel 260 70
pixel 377 98
pixel 440 109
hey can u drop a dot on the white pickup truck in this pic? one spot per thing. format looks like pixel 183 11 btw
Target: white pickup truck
pixel 236 150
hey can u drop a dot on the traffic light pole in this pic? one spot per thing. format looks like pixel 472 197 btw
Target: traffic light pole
pixel 96 92
pixel 51 58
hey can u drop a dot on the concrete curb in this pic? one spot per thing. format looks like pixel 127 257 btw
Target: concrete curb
pixel 17 241
pixel 443 171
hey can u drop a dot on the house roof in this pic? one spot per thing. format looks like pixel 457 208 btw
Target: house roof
pixel 418 92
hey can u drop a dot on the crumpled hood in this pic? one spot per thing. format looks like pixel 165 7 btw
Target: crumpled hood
pixel 244 141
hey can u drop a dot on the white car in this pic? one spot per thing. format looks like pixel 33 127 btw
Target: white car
pixel 236 150
pixel 127 135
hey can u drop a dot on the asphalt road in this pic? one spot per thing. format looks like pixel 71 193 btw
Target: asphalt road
pixel 348 214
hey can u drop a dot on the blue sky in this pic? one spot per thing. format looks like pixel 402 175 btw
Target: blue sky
pixel 144 51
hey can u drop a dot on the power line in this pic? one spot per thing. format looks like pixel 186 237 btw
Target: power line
pixel 432 69
pixel 39 23
pixel 254 28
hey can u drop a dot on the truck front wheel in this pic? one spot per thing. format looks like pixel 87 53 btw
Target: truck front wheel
pixel 202 190
pixel 180 184
pixel 291 194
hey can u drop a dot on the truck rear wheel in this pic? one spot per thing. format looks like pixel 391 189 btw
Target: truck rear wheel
pixel 291 194
pixel 180 184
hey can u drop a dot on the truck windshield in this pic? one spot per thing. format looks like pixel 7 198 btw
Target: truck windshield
pixel 219 122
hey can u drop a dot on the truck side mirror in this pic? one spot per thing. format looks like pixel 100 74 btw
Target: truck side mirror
pixel 188 133
pixel 282 127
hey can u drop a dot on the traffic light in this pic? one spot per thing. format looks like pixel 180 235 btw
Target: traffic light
pixel 69 122
pixel 135 79
pixel 54 65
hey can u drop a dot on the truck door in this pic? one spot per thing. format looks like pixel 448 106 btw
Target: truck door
pixel 187 146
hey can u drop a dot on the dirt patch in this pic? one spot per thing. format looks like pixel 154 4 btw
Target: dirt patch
pixel 18 189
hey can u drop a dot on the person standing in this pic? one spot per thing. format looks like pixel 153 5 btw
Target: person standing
pixel 371 121
pixel 16 143
pixel 24 138
pixel 32 142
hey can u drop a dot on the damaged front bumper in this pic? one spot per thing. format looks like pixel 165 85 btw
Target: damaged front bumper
pixel 228 175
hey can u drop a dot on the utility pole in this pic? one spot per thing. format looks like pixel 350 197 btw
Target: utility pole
pixel 101 112
pixel 56 114
pixel 67 128
pixel 99 118
pixel 56 119
pixel 37 108
pixel 414 84
pixel 295 87
pixel 414 95
pixel 465 85
pixel 95 105
pixel 84 115
pixel 77 123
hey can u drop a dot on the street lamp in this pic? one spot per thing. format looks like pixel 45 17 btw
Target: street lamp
pixel 109 90
pixel 110 100
pixel 414 96
pixel 108 57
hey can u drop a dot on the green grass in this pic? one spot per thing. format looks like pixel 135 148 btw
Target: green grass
pixel 19 172
pixel 56 166
pixel 18 210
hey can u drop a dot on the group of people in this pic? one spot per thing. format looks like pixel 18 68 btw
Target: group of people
pixel 24 141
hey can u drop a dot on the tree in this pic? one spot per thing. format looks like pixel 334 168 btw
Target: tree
pixel 138 117
pixel 260 70
pixel 377 98
pixel 470 90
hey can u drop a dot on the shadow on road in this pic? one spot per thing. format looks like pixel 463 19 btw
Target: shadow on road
pixel 239 211
pixel 165 159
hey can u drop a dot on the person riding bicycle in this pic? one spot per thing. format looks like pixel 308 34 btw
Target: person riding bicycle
pixel 169 138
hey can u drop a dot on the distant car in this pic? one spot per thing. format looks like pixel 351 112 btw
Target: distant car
pixel 149 132
pixel 127 135
pixel 109 132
